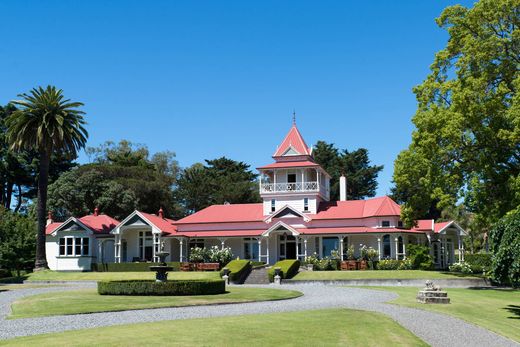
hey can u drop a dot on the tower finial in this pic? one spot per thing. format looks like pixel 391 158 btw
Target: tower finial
pixel 294 117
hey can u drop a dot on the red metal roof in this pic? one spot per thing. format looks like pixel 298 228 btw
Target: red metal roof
pixel 381 206
pixel 226 214
pixel 439 226
pixel 424 224
pixel 295 140
pixel 221 233
pixel 98 224
pixel 288 164
pixel 353 230
pixel 164 224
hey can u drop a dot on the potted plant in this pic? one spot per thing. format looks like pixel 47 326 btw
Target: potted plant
pixel 351 259
pixel 363 256
pixel 372 256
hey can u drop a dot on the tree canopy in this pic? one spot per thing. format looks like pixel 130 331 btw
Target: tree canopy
pixel 218 181
pixel 122 178
pixel 466 145
pixel 355 165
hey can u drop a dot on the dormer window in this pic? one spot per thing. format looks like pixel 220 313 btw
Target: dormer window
pixel 273 205
pixel 385 224
pixel 305 204
pixel 400 224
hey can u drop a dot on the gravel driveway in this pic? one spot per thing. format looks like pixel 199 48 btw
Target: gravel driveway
pixel 434 328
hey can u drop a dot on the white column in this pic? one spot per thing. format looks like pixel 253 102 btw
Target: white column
pixel 259 249
pixel 462 245
pixel 100 250
pixel 340 238
pixel 379 247
pixel 305 246
pixel 222 244
pixel 181 257
pixel 116 245
pixel 267 253
pixel 396 248
pixel 404 248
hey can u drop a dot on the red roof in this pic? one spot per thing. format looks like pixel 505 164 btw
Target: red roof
pixel 424 224
pixel 164 224
pixel 353 230
pixel 439 226
pixel 382 206
pixel 295 141
pixel 286 164
pixel 226 214
pixel 98 224
pixel 221 233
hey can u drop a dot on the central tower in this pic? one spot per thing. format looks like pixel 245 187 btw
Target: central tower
pixel 294 179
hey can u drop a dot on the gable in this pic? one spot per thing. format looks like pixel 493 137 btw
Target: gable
pixel 286 213
pixel 290 151
pixel 71 225
pixel 136 220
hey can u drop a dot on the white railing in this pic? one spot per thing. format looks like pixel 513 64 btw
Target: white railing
pixel 289 187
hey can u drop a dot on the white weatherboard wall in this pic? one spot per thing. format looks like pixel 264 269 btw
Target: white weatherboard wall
pixel 70 263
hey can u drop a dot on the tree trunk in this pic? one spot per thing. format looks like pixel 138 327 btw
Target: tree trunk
pixel 19 203
pixel 43 179
pixel 9 195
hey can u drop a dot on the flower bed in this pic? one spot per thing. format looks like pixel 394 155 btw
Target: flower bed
pixel 149 287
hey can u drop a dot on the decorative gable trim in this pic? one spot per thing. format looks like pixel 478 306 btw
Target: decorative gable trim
pixel 294 211
pixel 278 225
pixel 117 229
pixel 73 220
pixel 452 224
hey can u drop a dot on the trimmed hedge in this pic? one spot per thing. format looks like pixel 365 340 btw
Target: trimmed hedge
pixel 288 269
pixel 129 267
pixel 238 269
pixel 150 287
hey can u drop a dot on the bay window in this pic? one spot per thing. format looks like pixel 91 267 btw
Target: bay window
pixel 70 246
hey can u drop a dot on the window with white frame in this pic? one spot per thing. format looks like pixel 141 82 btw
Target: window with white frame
pixel 306 204
pixel 387 248
pixel 250 249
pixel 273 205
pixel 71 246
pixel 385 224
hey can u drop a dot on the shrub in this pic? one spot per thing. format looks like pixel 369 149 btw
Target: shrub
pixel 505 246
pixel 406 264
pixel 210 255
pixel 288 269
pixel 480 262
pixel 5 273
pixel 464 268
pixel 129 267
pixel 149 287
pixel 388 264
pixel 199 255
pixel 238 269
pixel 350 253
pixel 327 264
pixel 313 260
pixel 420 257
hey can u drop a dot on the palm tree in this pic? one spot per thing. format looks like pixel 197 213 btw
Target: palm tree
pixel 46 123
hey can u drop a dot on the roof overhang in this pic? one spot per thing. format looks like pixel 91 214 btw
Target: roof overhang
pixel 67 222
pixel 452 224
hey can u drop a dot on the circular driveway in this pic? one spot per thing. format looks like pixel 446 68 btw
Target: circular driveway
pixel 434 328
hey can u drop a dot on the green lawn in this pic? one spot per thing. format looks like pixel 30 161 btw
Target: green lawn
pixel 377 274
pixel 107 276
pixel 336 327
pixel 495 309
pixel 88 301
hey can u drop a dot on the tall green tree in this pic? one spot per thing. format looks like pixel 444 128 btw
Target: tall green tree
pixel 355 165
pixel 467 139
pixel 122 177
pixel 220 180
pixel 48 123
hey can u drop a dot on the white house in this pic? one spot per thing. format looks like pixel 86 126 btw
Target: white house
pixel 295 218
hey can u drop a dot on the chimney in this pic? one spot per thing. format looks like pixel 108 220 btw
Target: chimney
pixel 49 218
pixel 161 213
pixel 342 188
pixel 96 211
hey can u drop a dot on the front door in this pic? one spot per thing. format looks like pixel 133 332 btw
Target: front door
pixel 287 248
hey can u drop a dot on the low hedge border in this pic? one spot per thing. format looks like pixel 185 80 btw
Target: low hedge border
pixel 149 287
pixel 129 267
pixel 238 270
pixel 288 269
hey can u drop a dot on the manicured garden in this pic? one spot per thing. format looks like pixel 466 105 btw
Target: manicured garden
pixel 378 274
pixel 89 301
pixel 337 327
pixel 495 309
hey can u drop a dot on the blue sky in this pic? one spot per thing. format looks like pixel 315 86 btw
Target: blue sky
pixel 221 78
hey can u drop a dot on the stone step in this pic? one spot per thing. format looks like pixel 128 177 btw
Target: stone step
pixel 257 276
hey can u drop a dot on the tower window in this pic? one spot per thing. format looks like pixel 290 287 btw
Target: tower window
pixel 306 204
pixel 273 205
pixel 385 223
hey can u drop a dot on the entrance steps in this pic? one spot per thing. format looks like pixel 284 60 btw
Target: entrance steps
pixel 257 276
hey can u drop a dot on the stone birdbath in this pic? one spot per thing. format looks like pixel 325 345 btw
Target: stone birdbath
pixel 432 294
pixel 161 270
